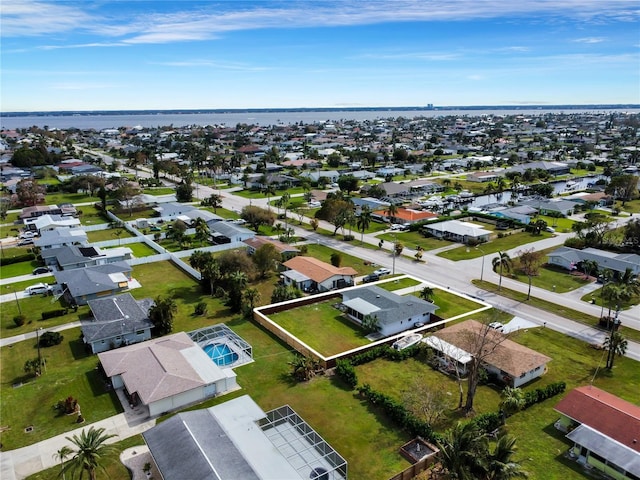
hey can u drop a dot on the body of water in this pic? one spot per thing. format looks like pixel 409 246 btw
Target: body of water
pixel 264 118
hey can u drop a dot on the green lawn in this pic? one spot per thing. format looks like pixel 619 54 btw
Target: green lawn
pixel 498 245
pixel 29 401
pixel 125 216
pixel 141 249
pixel 9 231
pixel 322 326
pixel 108 234
pixel 415 239
pixel 90 215
pixel 559 224
pixel 553 279
pixel 20 286
pixel 248 193
pixel 59 197
pixel 597 295
pixel 398 283
pixel 16 269
pixel 159 191
pixel 323 253
pixel 451 305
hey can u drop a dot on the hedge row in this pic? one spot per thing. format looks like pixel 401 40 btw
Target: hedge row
pixel 540 394
pixel 26 257
pixel 54 313
pixel 399 414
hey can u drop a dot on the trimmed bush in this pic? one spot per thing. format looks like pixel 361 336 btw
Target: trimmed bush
pixel 345 370
pixel 26 257
pixel 19 320
pixel 541 394
pixel 49 339
pixel 54 313
pixel 201 308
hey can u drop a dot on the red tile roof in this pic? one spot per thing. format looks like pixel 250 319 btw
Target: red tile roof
pixel 409 215
pixel 610 415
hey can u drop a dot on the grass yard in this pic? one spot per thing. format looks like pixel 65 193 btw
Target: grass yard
pixel 323 253
pixel 125 216
pixel 20 268
pixel 59 197
pixel 70 371
pixel 552 278
pixel 322 327
pixel 159 191
pixel 223 212
pixel 90 215
pixel 415 239
pixel 451 305
pixel 503 244
pixel 20 286
pixel 140 249
pixel 398 283
pixel 108 234
pixel 559 224
pixel 597 295
pixel 9 231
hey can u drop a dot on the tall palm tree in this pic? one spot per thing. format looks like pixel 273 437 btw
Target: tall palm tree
pixel 500 465
pixel 427 294
pixel 462 451
pixel 202 229
pixel 364 220
pixel 615 344
pixel 91 448
pixel 62 454
pixel 391 211
pixel 251 296
pixel 502 262
pixel 589 266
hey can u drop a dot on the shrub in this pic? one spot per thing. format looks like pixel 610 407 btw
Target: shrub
pixel 201 308
pixel 303 249
pixel 348 238
pixel 345 370
pixel 49 339
pixel 19 320
pixel 54 313
pixel 488 422
pixel 26 257
pixel 575 242
pixel 540 394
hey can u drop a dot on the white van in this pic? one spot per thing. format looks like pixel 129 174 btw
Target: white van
pixel 38 288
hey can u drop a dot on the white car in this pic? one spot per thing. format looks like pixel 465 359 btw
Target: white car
pixel 38 288
pixel 382 271
pixel 399 227
pixel 28 234
pixel 496 326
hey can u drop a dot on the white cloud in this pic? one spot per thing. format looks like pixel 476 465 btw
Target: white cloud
pixel 589 40
pixel 23 18
pixel 211 64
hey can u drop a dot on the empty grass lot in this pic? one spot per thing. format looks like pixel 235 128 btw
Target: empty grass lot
pixel 451 305
pixel 323 253
pixel 498 245
pixel 322 327
pixel 549 277
pixel 415 239
pixel 109 234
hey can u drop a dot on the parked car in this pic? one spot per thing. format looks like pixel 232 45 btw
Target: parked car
pixel 382 271
pixel 25 241
pixel 496 326
pixel 372 277
pixel 38 288
pixel 28 234
pixel 400 227
pixel 40 270
pixel 550 229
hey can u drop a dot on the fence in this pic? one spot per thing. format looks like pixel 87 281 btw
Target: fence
pixel 415 469
pixel 97 227
pixel 120 242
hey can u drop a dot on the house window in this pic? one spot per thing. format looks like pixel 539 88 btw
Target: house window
pixel 140 332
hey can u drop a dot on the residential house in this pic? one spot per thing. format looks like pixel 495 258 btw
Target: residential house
pixel 604 430
pixel 166 373
pixel 285 250
pixel 80 285
pixel 314 176
pixel 483 177
pixel 64 209
pixel 61 237
pixel 510 362
pixel 458 231
pixel 229 232
pixel 569 258
pixel 406 216
pixel 394 313
pixel 50 222
pixel 172 210
pixel 600 199
pixel 553 168
pixel 117 321
pixel 554 206
pixel 310 274
pixel 238 440
pixel 72 256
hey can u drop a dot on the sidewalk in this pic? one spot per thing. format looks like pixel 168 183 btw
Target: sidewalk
pixel 22 462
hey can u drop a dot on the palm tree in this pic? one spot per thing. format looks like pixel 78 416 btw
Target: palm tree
pixel 500 465
pixel 615 344
pixel 91 449
pixel 589 266
pixel 251 296
pixel 512 399
pixel 503 262
pixel 161 314
pixel 304 368
pixel 501 184
pixel 62 454
pixel 427 294
pixel 462 451
pixel 391 211
pixel 364 220
pixel 202 229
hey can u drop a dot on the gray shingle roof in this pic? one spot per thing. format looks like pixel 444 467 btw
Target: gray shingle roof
pixel 86 281
pixel 618 262
pixel 392 307
pixel 115 316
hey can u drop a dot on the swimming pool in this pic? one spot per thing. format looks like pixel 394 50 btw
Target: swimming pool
pixel 221 354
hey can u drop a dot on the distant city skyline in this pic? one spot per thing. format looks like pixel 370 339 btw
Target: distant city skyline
pixel 146 55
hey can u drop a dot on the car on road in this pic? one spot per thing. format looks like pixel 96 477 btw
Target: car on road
pixel 40 270
pixel 496 326
pixel 372 277
pixel 38 288
pixel 382 271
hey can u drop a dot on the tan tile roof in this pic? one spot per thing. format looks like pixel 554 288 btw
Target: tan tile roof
pixel 281 247
pixel 155 369
pixel 610 415
pixel 317 270
pixel 508 356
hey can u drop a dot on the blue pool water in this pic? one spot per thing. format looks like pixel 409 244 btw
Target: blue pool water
pixel 221 354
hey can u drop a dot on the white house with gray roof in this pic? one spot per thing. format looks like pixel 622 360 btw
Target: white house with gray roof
pixel 569 258
pixel 61 237
pixel 79 285
pixel 238 440
pixel 117 321
pixel 458 231
pixel 395 313
pixel 166 373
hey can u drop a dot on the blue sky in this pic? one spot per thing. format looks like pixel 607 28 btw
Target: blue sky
pixel 113 55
